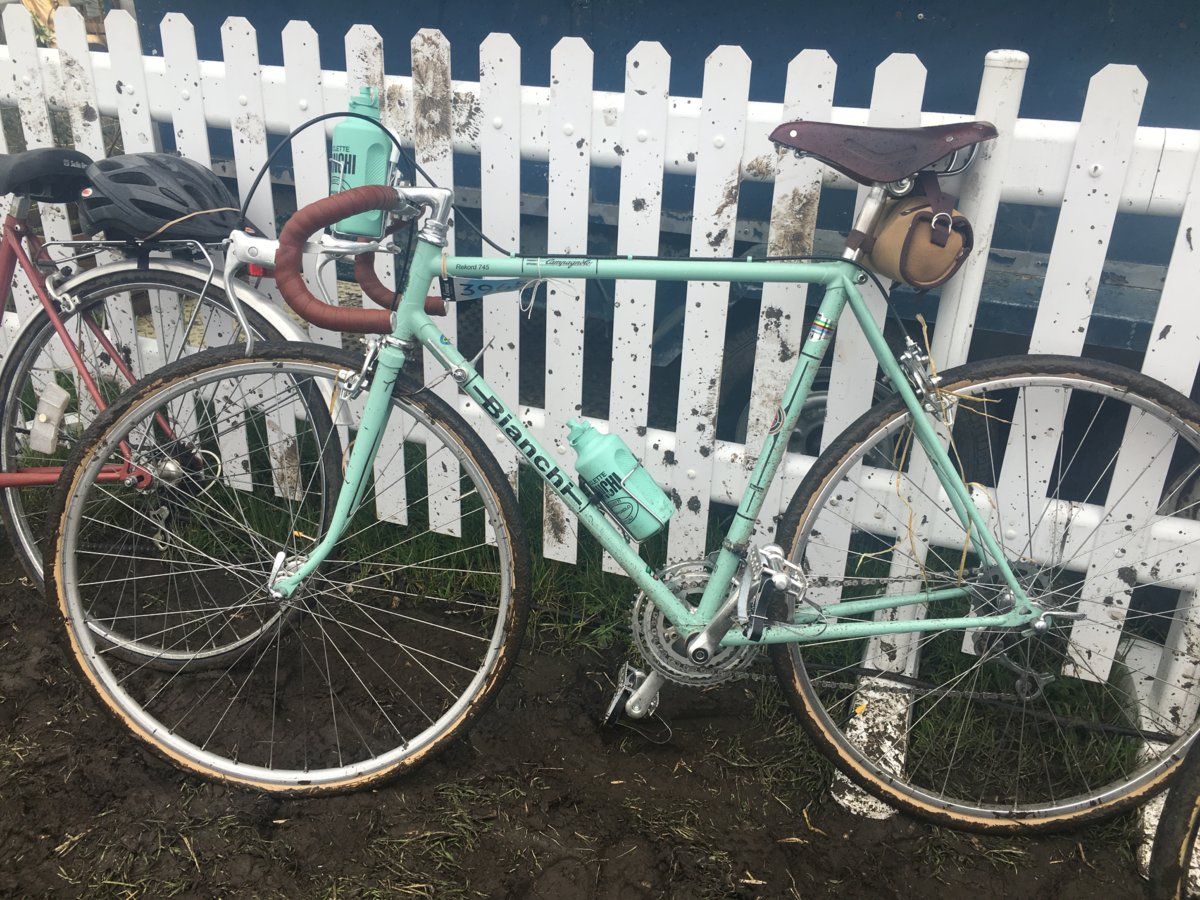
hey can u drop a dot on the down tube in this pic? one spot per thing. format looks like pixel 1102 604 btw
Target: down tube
pixel 561 480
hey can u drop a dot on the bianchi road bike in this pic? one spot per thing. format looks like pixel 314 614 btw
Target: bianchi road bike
pixel 320 575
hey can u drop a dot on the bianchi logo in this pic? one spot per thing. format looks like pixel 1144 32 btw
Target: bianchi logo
pixel 552 473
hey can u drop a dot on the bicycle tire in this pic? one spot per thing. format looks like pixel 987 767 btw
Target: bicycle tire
pixel 1175 837
pixel 802 687
pixel 241 763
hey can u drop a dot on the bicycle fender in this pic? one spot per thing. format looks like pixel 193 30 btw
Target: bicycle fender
pixel 272 312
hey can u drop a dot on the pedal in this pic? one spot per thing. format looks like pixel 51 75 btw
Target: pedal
pixel 636 696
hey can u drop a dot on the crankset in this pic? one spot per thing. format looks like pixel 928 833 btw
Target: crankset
pixel 666 651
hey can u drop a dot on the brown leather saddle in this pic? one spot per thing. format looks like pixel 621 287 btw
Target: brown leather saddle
pixel 879 155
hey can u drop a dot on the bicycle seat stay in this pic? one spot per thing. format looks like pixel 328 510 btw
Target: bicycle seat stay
pixel 52 174
pixel 873 155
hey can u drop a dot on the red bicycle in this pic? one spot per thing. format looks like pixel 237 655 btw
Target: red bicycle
pixel 103 313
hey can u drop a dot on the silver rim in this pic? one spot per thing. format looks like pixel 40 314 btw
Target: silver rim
pixel 968 722
pixel 383 653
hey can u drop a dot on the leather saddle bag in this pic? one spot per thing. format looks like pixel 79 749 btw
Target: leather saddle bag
pixel 921 239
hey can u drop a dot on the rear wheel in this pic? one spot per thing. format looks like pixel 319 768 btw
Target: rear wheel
pixel 387 653
pixel 1012 729
pixel 150 317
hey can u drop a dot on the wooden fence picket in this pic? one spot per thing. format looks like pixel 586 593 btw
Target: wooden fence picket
pixel 77 91
pixel 979 200
pixel 569 135
pixel 1138 477
pixel 642 149
pixel 714 220
pixel 808 95
pixel 239 46
pixel 1090 205
pixel 364 61
pixel 183 69
pixel 980 191
pixel 33 97
pixel 139 134
pixel 500 217
pixel 35 116
pixel 25 301
pixel 77 85
pixel 1174 357
pixel 434 150
pixel 895 102
pixel 310 153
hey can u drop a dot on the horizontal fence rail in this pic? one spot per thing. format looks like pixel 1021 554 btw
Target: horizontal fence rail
pixel 1160 166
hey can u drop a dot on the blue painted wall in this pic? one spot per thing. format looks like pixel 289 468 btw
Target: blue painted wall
pixel 1068 40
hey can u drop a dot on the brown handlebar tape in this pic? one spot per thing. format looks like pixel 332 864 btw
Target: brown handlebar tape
pixel 364 274
pixel 288 270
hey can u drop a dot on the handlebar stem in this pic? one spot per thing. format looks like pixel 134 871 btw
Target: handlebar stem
pixel 439 202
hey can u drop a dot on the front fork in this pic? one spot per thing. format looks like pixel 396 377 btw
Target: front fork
pixel 288 575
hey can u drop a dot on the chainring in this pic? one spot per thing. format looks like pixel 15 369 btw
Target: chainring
pixel 662 647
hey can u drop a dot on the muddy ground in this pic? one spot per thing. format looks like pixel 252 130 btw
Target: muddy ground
pixel 729 801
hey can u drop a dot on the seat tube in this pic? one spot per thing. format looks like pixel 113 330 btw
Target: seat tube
pixel 8 251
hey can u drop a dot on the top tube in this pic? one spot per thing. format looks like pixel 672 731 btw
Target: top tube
pixel 827 273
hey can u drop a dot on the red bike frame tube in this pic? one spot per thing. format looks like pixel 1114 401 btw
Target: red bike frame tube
pixel 45 476
pixel 13 252
pixel 12 239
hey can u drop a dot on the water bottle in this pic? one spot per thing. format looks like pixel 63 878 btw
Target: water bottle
pixel 361 152
pixel 616 478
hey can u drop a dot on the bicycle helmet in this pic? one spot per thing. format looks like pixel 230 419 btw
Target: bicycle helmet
pixel 141 196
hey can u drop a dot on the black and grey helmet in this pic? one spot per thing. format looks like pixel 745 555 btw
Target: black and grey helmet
pixel 156 195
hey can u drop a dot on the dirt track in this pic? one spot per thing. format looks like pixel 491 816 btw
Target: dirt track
pixel 538 803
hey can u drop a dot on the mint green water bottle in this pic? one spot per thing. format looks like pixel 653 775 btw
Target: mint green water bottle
pixel 360 156
pixel 616 478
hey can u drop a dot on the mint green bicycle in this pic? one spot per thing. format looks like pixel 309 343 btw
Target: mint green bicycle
pixel 332 570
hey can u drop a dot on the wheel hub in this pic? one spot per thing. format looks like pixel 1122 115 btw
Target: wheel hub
pixel 995 643
pixel 664 648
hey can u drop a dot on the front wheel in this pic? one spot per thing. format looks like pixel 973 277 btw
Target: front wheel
pixel 1011 729
pixel 385 655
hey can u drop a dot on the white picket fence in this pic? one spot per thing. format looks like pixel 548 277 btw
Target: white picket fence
pixel 1093 169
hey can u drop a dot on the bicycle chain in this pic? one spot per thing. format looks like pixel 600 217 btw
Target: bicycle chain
pixel 903 689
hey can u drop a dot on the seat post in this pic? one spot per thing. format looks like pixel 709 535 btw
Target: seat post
pixel 868 217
